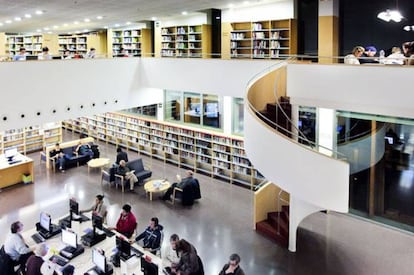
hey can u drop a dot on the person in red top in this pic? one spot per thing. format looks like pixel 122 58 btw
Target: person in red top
pixel 126 223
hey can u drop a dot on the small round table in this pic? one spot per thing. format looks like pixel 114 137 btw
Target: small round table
pixel 97 163
pixel 156 186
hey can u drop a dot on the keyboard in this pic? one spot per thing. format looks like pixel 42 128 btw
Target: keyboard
pixel 58 260
pixel 108 232
pixel 15 161
pixel 136 252
pixel 38 238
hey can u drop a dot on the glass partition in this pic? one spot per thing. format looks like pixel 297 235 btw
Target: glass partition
pixel 238 116
pixel 148 110
pixel 173 104
pixel 211 113
pixel 192 108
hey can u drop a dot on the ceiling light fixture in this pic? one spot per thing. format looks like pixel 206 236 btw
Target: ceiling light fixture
pixel 408 28
pixel 8 21
pixel 128 23
pixel 153 18
pixel 17 19
pixel 39 12
pixel 117 25
pixel 389 15
pixel 46 28
pixel 184 13
pixel 28 15
pixel 1 24
pixel 76 22
pixel 87 20
pixel 65 24
pixel 99 17
pixel 38 30
pixel 55 27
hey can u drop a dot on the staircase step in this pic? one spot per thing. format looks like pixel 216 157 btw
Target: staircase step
pixel 267 230
pixel 283 222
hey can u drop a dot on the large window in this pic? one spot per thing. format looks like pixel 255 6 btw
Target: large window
pixel 238 116
pixel 192 108
pixel 173 103
pixel 148 110
pixel 211 114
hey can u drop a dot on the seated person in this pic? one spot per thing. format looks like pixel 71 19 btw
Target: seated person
pixel 98 207
pixel 36 265
pixel 84 149
pixel 182 184
pixel 172 257
pixel 59 156
pixel 126 223
pixel 124 171
pixel 15 246
pixel 151 236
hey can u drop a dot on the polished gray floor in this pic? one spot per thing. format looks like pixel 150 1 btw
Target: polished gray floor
pixel 219 224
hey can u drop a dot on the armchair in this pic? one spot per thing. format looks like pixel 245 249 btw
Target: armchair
pixel 108 175
pixel 188 194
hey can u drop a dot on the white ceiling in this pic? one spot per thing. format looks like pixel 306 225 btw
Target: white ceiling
pixel 56 13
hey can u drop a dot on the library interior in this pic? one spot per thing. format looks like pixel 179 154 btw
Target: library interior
pixel 207 137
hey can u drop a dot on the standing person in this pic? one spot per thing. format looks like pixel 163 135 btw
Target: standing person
pixel 183 183
pixel 36 265
pixel 98 207
pixel 59 157
pixel 21 56
pixel 353 57
pixel 368 55
pixel 188 263
pixel 151 236
pixel 15 246
pixel 44 55
pixel 172 257
pixel 408 49
pixel 121 155
pixel 126 223
pixel 124 171
pixel 233 266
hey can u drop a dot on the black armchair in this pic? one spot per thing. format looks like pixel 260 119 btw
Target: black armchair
pixel 188 194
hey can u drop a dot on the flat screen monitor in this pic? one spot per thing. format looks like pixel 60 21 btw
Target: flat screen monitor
pixel 195 107
pixel 73 206
pixel 97 221
pixel 69 238
pixel 31 57
pixel 45 221
pixel 10 153
pixel 211 109
pixel 148 268
pixel 99 259
pixel 123 246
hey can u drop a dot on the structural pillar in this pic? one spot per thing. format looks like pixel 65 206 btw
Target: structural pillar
pixel 328 31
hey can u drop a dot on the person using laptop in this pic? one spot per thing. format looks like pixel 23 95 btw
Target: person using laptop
pixel 98 207
pixel 172 257
pixel 233 266
pixel 151 236
pixel 36 265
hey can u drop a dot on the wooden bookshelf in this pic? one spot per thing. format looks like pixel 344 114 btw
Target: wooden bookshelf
pixel 73 43
pixel 272 39
pixel 186 41
pixel 32 43
pixel 31 139
pixel 137 42
pixel 211 153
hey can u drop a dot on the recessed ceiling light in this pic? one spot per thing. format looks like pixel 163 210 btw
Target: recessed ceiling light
pixel 39 12
pixel 69 33
pixel 49 32
pixel 1 24
pixel 105 27
pixel 17 19
pixel 85 30
pixel 55 27
pixel 75 22
pixel 39 30
pixel 8 21
pixel 77 32
pixel 153 18
pixel 117 25
pixel 87 20
pixel 65 24
pixel 46 28
pixel 246 2
pixel 99 17
pixel 28 15
pixel 128 23
pixel 184 13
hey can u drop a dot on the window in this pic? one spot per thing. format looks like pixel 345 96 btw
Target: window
pixel 238 116
pixel 192 108
pixel 173 105
pixel 211 114
pixel 148 110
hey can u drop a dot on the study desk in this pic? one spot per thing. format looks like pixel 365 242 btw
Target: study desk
pixel 11 174
pixel 83 262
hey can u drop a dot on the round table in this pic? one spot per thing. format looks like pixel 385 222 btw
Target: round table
pixel 97 163
pixel 156 186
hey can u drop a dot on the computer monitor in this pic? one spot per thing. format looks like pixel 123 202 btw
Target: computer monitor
pixel 10 153
pixel 73 206
pixel 211 109
pixel 148 268
pixel 31 57
pixel 99 259
pixel 195 107
pixel 45 221
pixel 69 238
pixel 123 246
pixel 97 222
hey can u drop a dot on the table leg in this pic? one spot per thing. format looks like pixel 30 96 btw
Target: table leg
pixel 150 196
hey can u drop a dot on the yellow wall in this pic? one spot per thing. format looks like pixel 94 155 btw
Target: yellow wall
pixel 146 43
pixel 51 41
pixel 98 41
pixel 328 39
pixel 2 43
pixel 226 30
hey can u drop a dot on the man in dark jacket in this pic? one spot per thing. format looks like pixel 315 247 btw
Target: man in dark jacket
pixel 182 184
pixel 151 236
pixel 233 266
pixel 121 155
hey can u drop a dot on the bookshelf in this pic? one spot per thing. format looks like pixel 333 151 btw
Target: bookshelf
pixel 272 39
pixel 211 153
pixel 192 41
pixel 32 44
pixel 31 139
pixel 137 42
pixel 73 43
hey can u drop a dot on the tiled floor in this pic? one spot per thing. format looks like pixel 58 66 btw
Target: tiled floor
pixel 220 224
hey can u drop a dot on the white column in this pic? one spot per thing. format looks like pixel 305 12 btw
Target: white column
pixel 227 114
pixel 326 130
